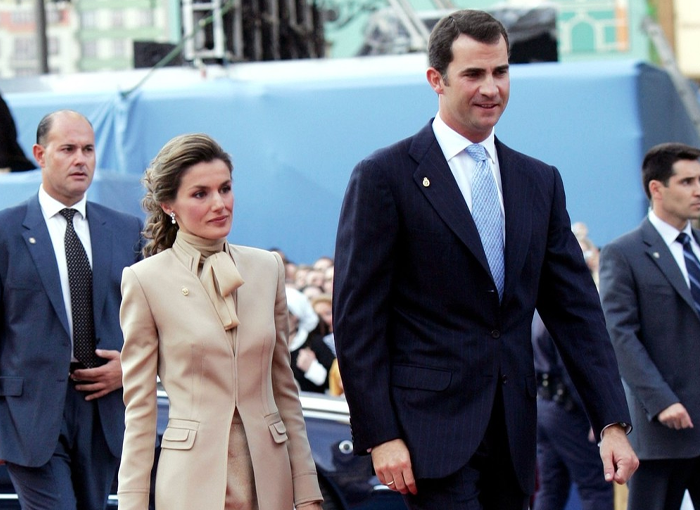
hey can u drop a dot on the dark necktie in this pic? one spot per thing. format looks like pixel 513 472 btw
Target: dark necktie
pixel 692 265
pixel 80 283
pixel 486 211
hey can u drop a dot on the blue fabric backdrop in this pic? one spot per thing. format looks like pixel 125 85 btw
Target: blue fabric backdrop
pixel 296 129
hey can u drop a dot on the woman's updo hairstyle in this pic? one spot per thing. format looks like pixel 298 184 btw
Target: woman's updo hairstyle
pixel 162 180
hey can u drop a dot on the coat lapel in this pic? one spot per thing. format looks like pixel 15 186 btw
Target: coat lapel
pixel 435 180
pixel 38 241
pixel 101 240
pixel 518 192
pixel 658 252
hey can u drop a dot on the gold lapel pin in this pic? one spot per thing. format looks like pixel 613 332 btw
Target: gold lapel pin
pixel 185 291
pixel 426 182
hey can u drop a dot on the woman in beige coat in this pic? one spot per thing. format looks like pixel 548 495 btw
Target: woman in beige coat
pixel 210 319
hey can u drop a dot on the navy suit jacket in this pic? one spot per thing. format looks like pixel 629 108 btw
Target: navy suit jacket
pixel 655 330
pixel 421 336
pixel 35 344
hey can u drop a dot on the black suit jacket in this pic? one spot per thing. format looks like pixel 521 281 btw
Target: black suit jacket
pixel 421 336
pixel 35 343
pixel 655 330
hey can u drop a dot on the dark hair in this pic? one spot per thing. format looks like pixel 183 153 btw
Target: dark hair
pixel 162 181
pixel 478 25
pixel 659 160
pixel 46 123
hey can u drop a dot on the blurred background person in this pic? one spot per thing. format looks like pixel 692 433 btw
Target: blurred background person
pixel 311 358
pixel 12 158
pixel 567 452
pixel 323 305
pixel 300 276
pixel 290 268
pixel 322 263
pixel 210 319
pixel 328 280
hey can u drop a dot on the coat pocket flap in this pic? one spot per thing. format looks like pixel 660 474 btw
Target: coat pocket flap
pixel 179 435
pixel 176 434
pixel 420 378
pixel 277 428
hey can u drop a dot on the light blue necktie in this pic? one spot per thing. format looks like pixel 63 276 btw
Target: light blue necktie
pixel 692 266
pixel 486 211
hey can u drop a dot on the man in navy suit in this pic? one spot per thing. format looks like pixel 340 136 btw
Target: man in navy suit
pixel 61 424
pixel 651 298
pixel 434 350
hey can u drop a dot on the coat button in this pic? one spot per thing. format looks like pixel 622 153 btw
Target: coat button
pixel 185 291
pixel 495 334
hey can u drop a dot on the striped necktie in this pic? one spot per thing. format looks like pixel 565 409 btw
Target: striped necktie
pixel 692 265
pixel 486 211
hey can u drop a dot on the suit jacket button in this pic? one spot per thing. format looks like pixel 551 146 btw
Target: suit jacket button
pixel 495 334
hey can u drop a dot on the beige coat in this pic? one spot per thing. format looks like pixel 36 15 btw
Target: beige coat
pixel 171 329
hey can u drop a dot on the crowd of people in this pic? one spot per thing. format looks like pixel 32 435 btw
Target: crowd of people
pixel 449 243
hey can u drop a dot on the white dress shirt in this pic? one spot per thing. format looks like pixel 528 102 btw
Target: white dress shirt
pixel 462 165
pixel 56 224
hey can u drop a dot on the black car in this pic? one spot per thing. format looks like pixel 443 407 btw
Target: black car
pixel 346 480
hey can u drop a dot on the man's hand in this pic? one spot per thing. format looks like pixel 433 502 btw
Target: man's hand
pixel 101 380
pixel 676 417
pixel 619 459
pixel 392 463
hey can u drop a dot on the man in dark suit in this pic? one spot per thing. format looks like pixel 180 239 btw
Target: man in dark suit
pixel 650 288
pixel 62 423
pixel 432 328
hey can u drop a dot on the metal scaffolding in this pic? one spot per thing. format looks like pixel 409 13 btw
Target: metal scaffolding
pixel 251 30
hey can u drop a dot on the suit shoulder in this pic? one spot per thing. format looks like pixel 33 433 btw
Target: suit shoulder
pixel 114 214
pixel 418 143
pixel 13 213
pixel 250 253
pixel 155 263
pixel 627 240
pixel 520 158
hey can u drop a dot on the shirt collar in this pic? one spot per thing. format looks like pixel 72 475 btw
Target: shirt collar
pixel 52 207
pixel 668 233
pixel 453 144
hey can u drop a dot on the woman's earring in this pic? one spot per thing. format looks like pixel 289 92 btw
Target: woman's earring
pixel 172 217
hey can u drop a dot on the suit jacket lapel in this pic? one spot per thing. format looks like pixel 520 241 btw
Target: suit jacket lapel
pixel 38 241
pixel 435 180
pixel 101 240
pixel 658 251
pixel 517 194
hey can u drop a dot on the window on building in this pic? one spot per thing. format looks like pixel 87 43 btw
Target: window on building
pixel 89 49
pixel 22 17
pixel 117 19
pixel 53 17
pixel 119 48
pixel 145 18
pixel 88 19
pixel 25 48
